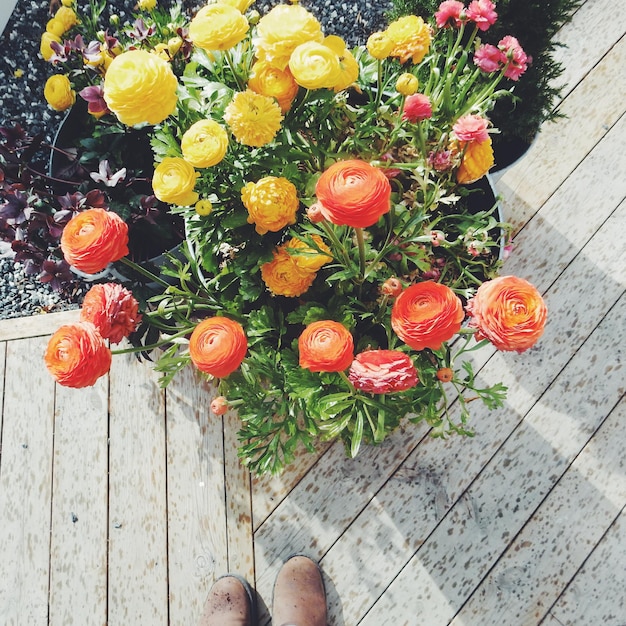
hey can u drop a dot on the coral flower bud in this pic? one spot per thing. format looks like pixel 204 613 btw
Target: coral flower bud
pixel 392 287
pixel 219 405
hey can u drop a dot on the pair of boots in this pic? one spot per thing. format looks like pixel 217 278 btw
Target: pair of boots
pixel 299 598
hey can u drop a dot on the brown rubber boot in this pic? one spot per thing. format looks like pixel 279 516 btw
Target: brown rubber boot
pixel 299 597
pixel 230 603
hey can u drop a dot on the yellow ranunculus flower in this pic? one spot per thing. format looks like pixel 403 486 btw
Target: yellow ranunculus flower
pixel 379 45
pixel 44 47
pixel 203 207
pixel 282 30
pixel 477 161
pixel 162 51
pixel 240 5
pixel 174 45
pixel 270 81
pixel 349 68
pixel 56 27
pixel 307 257
pixel 315 66
pixel 204 144
pixel 284 277
pixel 272 203
pixel 67 3
pixel 140 87
pixel 407 84
pixel 66 16
pixel 58 92
pixel 173 182
pixel 146 5
pixel 411 38
pixel 253 119
pixel 218 26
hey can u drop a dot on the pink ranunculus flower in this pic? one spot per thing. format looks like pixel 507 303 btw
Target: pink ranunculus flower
pixel 515 57
pixel 382 371
pixel 417 108
pixel 482 13
pixel 449 12
pixel 489 58
pixel 471 128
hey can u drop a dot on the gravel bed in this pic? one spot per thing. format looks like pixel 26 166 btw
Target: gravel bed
pixel 22 76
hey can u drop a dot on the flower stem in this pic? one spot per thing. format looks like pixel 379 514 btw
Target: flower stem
pixel 229 60
pixel 152 346
pixel 361 243
pixel 347 381
pixel 142 270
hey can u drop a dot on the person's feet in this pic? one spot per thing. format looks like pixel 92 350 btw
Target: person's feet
pixel 299 597
pixel 229 604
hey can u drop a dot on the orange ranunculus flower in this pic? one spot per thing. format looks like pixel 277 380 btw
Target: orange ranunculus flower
pixel 217 346
pixel 140 87
pixel 268 80
pixel 284 277
pixel 307 257
pixel 383 371
pixel 326 346
pixel 93 239
pixel 353 193
pixel 509 311
pixel 112 309
pixel 77 355
pixel 477 161
pixel 426 314
pixel 218 26
pixel 411 38
pixel 272 203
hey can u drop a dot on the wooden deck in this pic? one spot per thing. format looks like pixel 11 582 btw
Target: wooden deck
pixel 122 503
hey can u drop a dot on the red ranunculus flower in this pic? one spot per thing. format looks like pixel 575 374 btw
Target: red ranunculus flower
pixel 383 371
pixel 77 355
pixel 217 346
pixel 449 12
pixel 326 346
pixel 426 314
pixel 112 309
pixel 417 108
pixel 94 238
pixel 482 13
pixel 508 311
pixel 353 193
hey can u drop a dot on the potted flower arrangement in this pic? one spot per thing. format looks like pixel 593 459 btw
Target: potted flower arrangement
pixel 338 265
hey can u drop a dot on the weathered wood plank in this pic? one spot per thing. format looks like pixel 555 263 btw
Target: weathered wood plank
pixel 78 552
pixel 557 539
pixel 137 496
pixel 570 217
pixel 591 110
pixel 269 491
pixel 420 493
pixel 597 594
pixel 580 51
pixel 456 556
pixel 3 353
pixel 325 502
pixel 25 485
pixel 35 325
pixel 196 507
pixel 238 504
